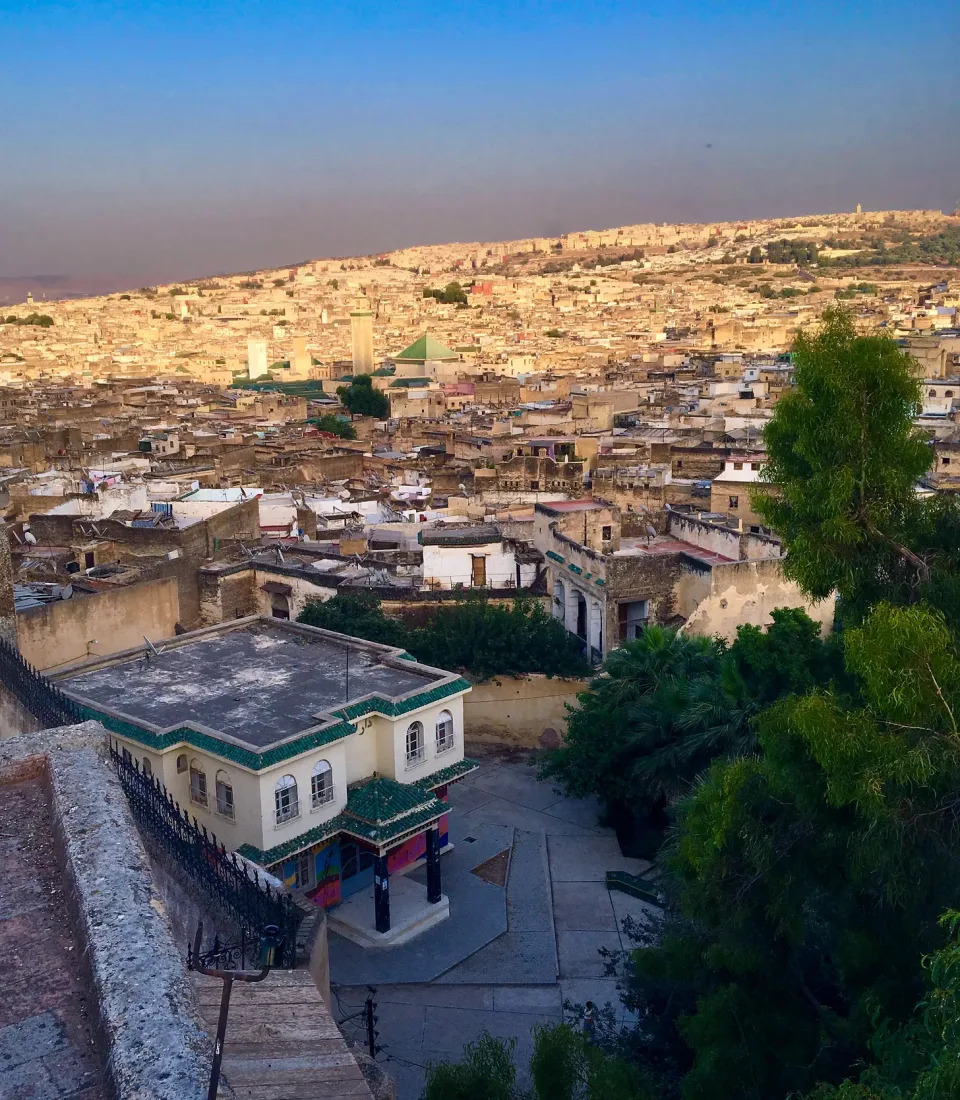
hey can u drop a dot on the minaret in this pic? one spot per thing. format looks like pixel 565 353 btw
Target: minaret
pixel 361 332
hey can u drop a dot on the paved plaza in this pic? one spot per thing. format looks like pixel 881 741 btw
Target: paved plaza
pixel 508 957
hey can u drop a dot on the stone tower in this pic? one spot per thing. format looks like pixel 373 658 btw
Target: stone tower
pixel 361 332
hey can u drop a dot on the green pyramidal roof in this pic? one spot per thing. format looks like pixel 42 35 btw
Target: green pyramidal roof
pixel 426 348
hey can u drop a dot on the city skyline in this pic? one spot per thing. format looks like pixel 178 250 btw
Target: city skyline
pixel 177 142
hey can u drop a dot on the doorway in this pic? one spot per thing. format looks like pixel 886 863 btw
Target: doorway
pixel 478 570
pixel 356 869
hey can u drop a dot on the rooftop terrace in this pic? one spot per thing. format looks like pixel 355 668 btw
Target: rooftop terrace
pixel 259 683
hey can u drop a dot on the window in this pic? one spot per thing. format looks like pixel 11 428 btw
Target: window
pixel 182 762
pixel 680 464
pixel 301 870
pixel 321 784
pixel 734 502
pixel 285 799
pixel 738 465
pixel 932 393
pixel 606 533
pixel 414 743
pixel 127 758
pixel 948 393
pixel 224 795
pixel 535 486
pixel 946 460
pixel 147 766
pixel 444 731
pixel 198 783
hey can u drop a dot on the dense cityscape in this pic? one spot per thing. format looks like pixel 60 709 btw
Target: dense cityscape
pixel 448 652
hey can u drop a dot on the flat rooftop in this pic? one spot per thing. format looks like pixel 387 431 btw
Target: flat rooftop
pixel 664 544
pixel 259 684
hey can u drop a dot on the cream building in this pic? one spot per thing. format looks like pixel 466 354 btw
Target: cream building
pixel 323 758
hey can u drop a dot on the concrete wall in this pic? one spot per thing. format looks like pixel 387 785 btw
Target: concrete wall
pixel 747 592
pixel 112 620
pixel 517 711
pixel 14 718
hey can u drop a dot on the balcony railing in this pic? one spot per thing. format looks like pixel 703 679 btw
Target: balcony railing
pixel 288 812
pixel 323 797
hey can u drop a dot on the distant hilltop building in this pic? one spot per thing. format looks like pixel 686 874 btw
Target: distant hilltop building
pixel 361 334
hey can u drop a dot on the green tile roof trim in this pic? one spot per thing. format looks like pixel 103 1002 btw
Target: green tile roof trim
pixel 291 847
pixel 424 349
pixel 237 754
pixel 381 800
pixel 395 709
pixel 449 775
pixel 378 810
pixel 555 557
pixel 600 581
pixel 276 754
pixel 574 568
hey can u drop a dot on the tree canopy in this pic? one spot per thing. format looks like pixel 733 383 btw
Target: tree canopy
pixel 336 425
pixel 844 459
pixel 477 635
pixel 667 705
pixel 361 399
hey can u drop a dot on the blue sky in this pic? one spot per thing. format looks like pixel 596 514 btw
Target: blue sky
pixel 164 140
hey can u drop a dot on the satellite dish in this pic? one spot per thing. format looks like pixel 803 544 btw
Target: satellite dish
pixel 30 537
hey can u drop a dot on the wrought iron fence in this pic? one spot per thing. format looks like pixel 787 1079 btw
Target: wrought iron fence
pixel 43 699
pixel 229 881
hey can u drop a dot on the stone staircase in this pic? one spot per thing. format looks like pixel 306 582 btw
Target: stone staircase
pixel 281 1042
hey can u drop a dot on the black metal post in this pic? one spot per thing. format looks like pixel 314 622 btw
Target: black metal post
pixel 228 978
pixel 381 894
pixel 221 1034
pixel 433 866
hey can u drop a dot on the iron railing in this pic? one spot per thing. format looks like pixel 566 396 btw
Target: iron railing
pixel 43 699
pixel 230 882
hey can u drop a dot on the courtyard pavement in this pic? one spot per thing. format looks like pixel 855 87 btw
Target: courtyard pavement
pixel 517 953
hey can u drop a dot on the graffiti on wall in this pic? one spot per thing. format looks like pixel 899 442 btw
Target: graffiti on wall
pixel 327 874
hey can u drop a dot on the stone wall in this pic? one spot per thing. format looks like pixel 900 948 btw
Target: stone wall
pixel 747 592
pixel 115 618
pixel 515 711
pixel 153 1043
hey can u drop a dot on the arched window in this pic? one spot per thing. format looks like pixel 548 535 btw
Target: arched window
pixel 285 799
pixel 933 393
pixel 414 743
pixel 559 599
pixel 444 731
pixel 224 795
pixel 948 393
pixel 182 762
pixel 146 766
pixel 198 783
pixel 321 784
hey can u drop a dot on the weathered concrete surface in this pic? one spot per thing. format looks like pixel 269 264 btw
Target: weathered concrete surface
pixel 513 710
pixel 135 973
pixel 281 1042
pixel 556 894
pixel 259 683
pixel 48 1036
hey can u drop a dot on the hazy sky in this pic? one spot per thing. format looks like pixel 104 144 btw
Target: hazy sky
pixel 164 140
